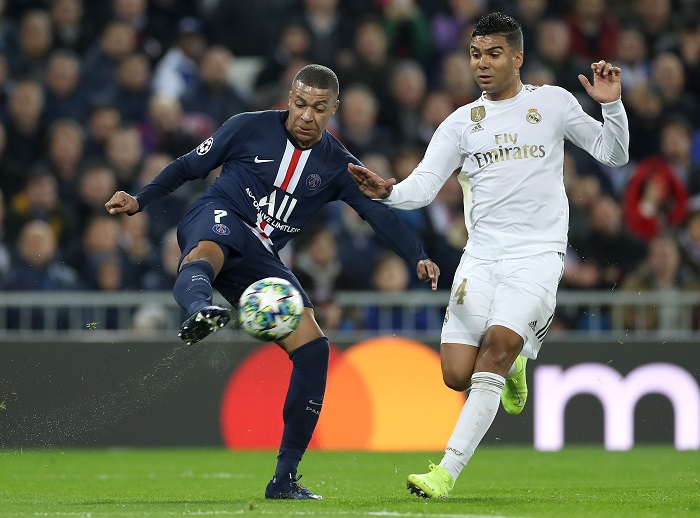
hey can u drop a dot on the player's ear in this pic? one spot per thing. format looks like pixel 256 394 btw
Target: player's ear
pixel 289 99
pixel 519 59
pixel 335 106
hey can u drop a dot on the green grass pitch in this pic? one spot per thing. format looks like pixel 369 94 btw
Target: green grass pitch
pixel 500 481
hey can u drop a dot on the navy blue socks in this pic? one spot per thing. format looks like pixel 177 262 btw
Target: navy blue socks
pixel 192 290
pixel 302 407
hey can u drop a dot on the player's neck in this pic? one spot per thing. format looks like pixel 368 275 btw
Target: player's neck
pixel 304 145
pixel 507 93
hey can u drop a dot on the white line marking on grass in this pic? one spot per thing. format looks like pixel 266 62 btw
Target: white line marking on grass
pixel 136 513
pixel 222 512
pixel 388 513
pixel 190 474
pixel 206 513
pixel 443 515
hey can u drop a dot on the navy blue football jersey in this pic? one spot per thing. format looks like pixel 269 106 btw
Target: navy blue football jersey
pixel 270 182
pixel 275 186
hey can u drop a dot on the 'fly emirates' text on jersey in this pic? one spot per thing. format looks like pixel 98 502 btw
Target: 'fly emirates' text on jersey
pixel 511 155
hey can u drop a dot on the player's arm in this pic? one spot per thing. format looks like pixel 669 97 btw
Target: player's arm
pixel 609 142
pixel 170 178
pixel 394 232
pixel 441 158
pixel 196 164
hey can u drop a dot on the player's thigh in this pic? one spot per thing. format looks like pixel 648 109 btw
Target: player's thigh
pixel 210 231
pixel 257 263
pixel 470 303
pixel 457 361
pixel 242 270
pixel 525 299
pixel 208 251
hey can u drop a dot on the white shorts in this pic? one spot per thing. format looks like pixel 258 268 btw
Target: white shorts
pixel 519 294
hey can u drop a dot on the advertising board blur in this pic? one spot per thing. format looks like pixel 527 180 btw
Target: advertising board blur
pixel 384 394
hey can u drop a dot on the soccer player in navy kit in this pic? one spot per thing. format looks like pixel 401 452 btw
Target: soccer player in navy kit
pixel 279 169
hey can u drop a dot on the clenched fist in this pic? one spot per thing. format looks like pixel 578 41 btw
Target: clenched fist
pixel 122 202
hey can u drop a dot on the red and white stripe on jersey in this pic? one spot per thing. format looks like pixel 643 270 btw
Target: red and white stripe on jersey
pixel 291 167
pixel 262 225
pixel 261 235
pixel 287 178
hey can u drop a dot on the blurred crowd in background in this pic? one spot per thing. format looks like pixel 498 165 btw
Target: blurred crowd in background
pixel 100 96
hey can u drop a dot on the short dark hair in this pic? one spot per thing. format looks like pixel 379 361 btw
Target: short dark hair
pixel 318 76
pixel 499 23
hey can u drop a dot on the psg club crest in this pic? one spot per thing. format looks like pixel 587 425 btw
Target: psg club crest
pixel 313 181
pixel 205 146
pixel 221 229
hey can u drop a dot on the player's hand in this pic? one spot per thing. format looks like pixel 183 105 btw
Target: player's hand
pixel 428 271
pixel 122 203
pixel 606 86
pixel 371 184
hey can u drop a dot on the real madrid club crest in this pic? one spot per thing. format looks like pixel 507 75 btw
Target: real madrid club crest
pixel 478 113
pixel 533 116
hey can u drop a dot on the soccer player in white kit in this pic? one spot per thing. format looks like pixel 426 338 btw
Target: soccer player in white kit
pixel 509 147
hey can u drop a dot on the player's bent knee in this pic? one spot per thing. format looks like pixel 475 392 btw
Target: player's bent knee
pixel 457 363
pixel 208 251
pixel 458 381
pixel 457 387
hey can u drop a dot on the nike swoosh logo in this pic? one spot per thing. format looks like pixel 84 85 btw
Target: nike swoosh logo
pixel 521 401
pixel 262 161
pixel 312 402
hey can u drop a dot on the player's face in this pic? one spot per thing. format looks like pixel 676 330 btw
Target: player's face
pixel 310 109
pixel 495 66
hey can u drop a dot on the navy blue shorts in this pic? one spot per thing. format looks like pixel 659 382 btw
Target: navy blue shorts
pixel 247 259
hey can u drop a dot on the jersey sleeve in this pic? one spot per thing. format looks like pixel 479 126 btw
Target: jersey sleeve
pixel 395 233
pixel 441 159
pixel 196 164
pixel 384 221
pixel 607 142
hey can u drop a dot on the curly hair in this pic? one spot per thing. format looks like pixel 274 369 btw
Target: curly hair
pixel 499 23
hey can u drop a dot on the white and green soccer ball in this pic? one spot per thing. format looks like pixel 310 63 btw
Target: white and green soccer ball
pixel 270 309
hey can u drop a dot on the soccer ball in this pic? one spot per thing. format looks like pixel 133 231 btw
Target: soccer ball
pixel 270 309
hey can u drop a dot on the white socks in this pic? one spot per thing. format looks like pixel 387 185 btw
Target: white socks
pixel 474 420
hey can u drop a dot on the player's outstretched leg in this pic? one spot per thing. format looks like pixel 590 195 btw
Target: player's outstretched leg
pixel 514 393
pixel 436 484
pixel 203 323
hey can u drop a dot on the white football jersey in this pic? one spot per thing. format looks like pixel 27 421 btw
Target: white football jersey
pixel 511 155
